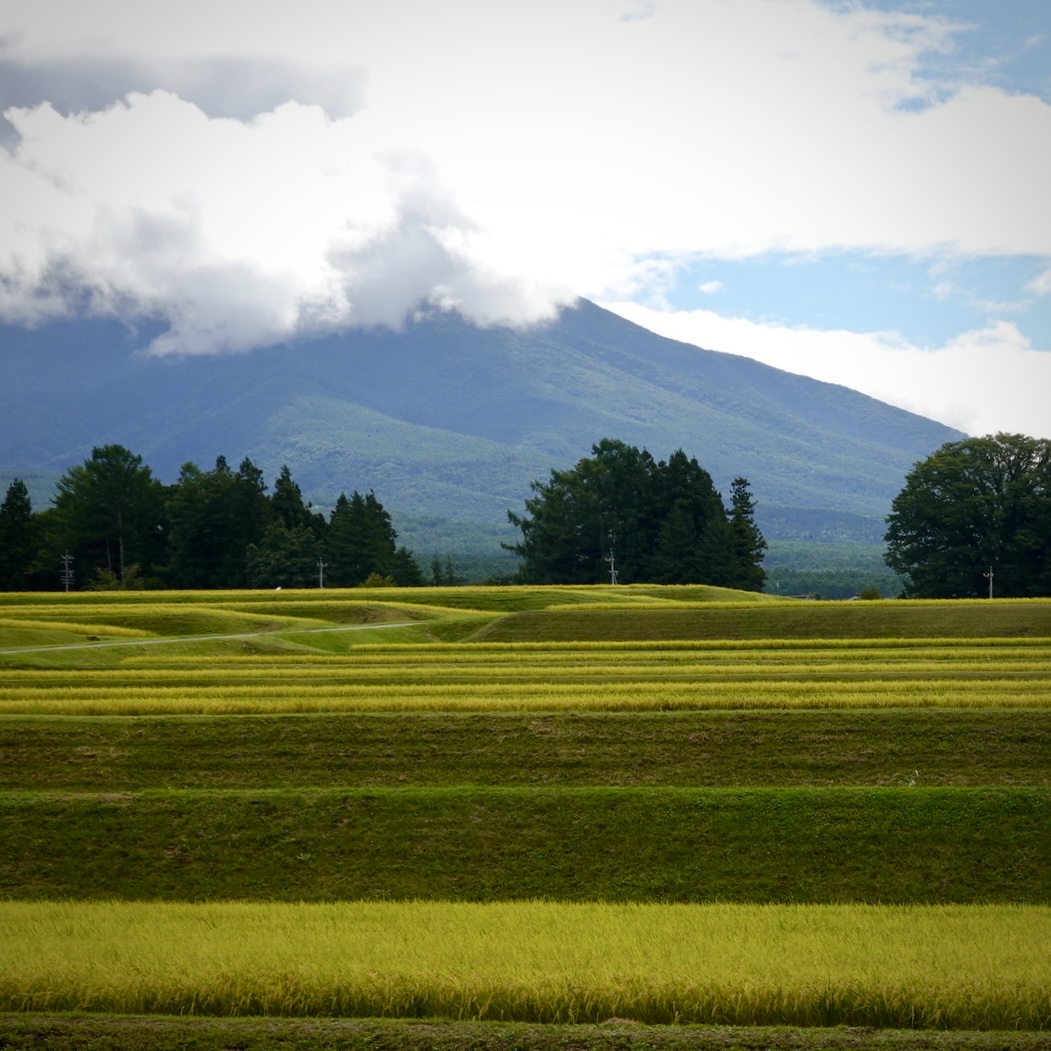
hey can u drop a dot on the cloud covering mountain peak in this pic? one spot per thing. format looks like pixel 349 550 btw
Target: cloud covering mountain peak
pixel 239 233
pixel 246 174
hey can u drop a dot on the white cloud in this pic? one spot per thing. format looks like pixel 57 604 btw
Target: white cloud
pixel 711 288
pixel 501 158
pixel 984 381
pixel 1040 285
pixel 240 234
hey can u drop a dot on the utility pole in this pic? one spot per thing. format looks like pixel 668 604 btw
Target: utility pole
pixel 989 575
pixel 322 565
pixel 66 574
pixel 611 560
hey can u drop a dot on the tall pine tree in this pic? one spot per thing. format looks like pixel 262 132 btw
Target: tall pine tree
pixel 19 538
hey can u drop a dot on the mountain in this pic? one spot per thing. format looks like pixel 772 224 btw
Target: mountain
pixel 449 422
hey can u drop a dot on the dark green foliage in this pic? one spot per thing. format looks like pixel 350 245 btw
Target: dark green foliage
pixel 361 542
pixel 622 517
pixel 212 529
pixel 288 508
pixel 974 507
pixel 828 570
pixel 832 583
pixel 215 516
pixel 749 545
pixel 108 514
pixel 443 574
pixel 284 557
pixel 19 538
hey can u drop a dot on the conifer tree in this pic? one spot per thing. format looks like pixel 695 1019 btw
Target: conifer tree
pixel 654 522
pixel 749 544
pixel 361 541
pixel 19 537
pixel 109 513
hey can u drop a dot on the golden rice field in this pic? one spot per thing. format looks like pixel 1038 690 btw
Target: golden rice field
pixel 596 676
pixel 942 967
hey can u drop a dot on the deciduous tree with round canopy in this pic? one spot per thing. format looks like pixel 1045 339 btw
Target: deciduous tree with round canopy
pixel 975 507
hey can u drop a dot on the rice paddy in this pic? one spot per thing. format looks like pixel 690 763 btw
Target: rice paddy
pixel 542 805
pixel 595 676
pixel 976 968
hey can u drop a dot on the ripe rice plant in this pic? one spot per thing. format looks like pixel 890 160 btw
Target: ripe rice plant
pixel 318 697
pixel 510 677
pixel 978 967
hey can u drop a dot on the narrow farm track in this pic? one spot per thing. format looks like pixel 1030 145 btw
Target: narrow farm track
pixel 108 644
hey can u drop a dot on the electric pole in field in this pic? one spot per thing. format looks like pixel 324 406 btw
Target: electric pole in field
pixel 989 576
pixel 65 576
pixel 322 565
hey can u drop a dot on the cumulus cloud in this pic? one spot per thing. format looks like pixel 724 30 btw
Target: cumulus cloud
pixel 239 234
pixel 983 381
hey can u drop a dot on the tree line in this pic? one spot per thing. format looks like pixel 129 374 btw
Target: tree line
pixel 973 519
pixel 112 524
pixel 621 516
pixel 618 515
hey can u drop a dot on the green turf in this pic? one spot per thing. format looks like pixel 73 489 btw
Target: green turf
pixel 908 844
pixel 161 1033
pixel 796 620
pixel 721 748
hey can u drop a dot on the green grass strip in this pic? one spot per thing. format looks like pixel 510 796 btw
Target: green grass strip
pixel 590 844
pixel 20 1032
pixel 964 967
pixel 799 620
pixel 889 747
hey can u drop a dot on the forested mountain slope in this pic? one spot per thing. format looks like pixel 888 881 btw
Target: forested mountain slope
pixel 450 421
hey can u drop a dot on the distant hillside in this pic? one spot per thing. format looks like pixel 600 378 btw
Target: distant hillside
pixel 449 423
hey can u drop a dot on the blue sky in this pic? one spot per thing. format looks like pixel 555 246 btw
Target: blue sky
pixel 927 300
pixel 1004 44
pixel 856 191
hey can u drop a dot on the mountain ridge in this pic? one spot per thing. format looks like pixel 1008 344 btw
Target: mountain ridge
pixel 446 420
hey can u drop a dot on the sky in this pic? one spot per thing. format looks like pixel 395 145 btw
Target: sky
pixel 855 191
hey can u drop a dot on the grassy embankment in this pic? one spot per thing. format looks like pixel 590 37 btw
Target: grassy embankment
pixel 911 766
